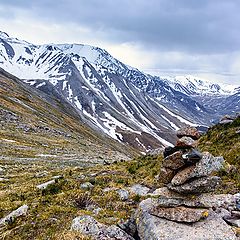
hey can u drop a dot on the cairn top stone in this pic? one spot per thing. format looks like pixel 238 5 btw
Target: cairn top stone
pixel 188 132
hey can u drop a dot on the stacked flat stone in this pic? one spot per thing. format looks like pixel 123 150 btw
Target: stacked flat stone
pixel 187 172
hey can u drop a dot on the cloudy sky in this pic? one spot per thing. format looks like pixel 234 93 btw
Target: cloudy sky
pixel 165 37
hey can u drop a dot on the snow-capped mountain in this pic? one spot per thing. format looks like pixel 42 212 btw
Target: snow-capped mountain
pixel 111 97
pixel 193 86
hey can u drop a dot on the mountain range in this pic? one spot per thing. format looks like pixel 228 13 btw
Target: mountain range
pixel 112 98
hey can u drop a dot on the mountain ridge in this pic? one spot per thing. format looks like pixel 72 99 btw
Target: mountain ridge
pixel 111 97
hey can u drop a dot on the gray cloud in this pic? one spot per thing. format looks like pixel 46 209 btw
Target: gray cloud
pixel 206 26
pixel 178 36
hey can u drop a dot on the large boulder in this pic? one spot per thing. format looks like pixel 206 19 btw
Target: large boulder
pixel 157 228
pixel 88 226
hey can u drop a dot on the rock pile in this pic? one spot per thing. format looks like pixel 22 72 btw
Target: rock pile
pixel 187 171
pixel 185 208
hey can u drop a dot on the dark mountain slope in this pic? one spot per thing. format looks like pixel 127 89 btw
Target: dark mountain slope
pixel 39 126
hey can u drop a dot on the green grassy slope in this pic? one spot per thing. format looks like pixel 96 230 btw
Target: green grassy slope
pixel 33 125
pixel 224 140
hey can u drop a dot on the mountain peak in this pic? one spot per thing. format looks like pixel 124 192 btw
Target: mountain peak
pixel 4 35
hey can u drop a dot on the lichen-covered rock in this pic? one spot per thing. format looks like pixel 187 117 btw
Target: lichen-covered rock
pixel 10 218
pixel 188 132
pixel 140 190
pixel 88 226
pixel 186 142
pixel 153 227
pixel 166 175
pixel 180 214
pixel 204 167
pixel 174 161
pixel 167 198
pixel 212 228
pixel 199 185
pixel 182 176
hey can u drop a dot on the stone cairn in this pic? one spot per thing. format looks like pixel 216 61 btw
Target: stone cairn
pixel 187 174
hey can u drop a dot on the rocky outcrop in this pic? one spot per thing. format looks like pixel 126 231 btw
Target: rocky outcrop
pixel 88 226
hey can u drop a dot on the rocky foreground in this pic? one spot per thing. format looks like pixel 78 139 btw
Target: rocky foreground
pixel 186 206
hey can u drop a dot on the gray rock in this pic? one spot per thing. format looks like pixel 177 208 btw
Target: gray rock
pixel 45 185
pixel 233 221
pixel 167 198
pixel 188 132
pixel 186 142
pixel 4 179
pixel 123 194
pixel 182 176
pixel 192 156
pixel 57 177
pixel 108 189
pixel 21 211
pixel 199 185
pixel 1 170
pixel 41 174
pixel 174 161
pixel 86 186
pixel 140 190
pixel 223 213
pixel 237 198
pixel 152 227
pixel 129 226
pixel 226 119
pixel 204 167
pixel 97 210
pixel 236 214
pixel 88 226
pixel 180 214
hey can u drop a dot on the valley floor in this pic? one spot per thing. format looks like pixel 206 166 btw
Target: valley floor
pixel 78 190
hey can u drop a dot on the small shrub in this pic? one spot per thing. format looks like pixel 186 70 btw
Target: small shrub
pixel 83 200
